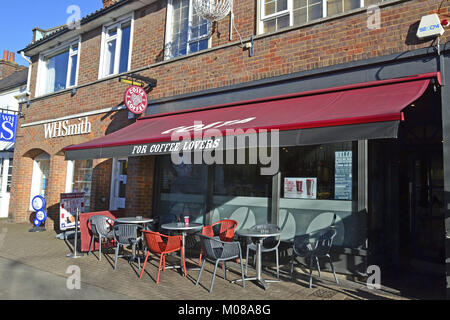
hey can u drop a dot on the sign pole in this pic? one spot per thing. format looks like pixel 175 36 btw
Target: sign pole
pixel 75 253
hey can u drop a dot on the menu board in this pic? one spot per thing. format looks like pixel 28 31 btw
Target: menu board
pixel 300 188
pixel 69 204
pixel 343 175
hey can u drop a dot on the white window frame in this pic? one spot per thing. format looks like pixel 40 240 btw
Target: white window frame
pixel 41 82
pixel 36 177
pixel 289 11
pixel 118 38
pixel 114 176
pixel 169 31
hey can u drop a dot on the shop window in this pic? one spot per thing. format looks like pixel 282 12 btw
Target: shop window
pixel 185 32
pixel 116 49
pixel 59 69
pixel 182 190
pixel 278 14
pixel 318 188
pixel 79 180
pixel 41 174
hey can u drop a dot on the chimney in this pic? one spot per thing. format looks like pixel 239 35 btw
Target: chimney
pixel 8 65
pixel 107 3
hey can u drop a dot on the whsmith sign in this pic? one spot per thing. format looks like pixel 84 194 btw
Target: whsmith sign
pixel 65 128
pixel 8 125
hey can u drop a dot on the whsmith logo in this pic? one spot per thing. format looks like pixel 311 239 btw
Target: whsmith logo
pixel 64 129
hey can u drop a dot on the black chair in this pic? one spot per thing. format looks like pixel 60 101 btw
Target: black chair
pixel 101 230
pixel 314 246
pixel 217 251
pixel 126 235
pixel 270 244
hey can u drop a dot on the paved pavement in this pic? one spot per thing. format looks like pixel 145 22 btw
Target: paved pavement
pixel 35 266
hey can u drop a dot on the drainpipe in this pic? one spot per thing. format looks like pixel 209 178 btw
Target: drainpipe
pixel 29 72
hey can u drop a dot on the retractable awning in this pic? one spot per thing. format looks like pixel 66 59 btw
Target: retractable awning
pixel 357 112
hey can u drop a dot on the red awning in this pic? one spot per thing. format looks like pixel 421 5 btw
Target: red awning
pixel 368 103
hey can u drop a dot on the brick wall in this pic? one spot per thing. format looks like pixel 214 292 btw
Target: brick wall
pixel 335 41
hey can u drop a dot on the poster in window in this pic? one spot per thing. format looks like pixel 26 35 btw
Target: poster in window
pixel 300 188
pixel 343 175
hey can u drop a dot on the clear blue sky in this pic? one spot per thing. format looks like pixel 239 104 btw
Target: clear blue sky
pixel 19 17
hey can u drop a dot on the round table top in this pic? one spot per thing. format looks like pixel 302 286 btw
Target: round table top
pixel 133 220
pixel 258 233
pixel 181 226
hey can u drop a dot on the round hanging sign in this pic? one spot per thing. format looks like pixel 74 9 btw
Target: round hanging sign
pixel 136 99
pixel 38 203
pixel 37 223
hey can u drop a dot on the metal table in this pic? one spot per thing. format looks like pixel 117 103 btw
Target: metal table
pixel 135 220
pixel 183 229
pixel 260 236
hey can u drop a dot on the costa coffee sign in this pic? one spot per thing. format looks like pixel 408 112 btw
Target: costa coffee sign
pixel 136 99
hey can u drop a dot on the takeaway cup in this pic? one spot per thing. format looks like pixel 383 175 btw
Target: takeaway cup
pixel 186 220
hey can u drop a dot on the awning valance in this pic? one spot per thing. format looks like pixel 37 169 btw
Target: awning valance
pixel 356 112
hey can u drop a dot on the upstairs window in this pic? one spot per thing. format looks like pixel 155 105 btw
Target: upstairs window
pixel 186 32
pixel 278 14
pixel 60 69
pixel 116 52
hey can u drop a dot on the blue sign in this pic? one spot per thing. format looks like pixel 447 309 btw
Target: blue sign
pixel 8 127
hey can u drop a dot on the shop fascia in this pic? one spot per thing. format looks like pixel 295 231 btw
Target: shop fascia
pixel 65 128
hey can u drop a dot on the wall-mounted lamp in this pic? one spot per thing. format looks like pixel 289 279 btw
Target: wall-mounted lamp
pixel 73 92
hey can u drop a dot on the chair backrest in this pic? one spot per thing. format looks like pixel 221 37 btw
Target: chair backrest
pixel 270 242
pixel 224 229
pixel 325 242
pixel 99 225
pixel 215 249
pixel 159 243
pixel 125 232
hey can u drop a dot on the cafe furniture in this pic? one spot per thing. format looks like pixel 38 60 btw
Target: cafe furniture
pixel 182 228
pixel 161 244
pixel 223 229
pixel 314 245
pixel 219 251
pixel 269 244
pixel 101 227
pixel 258 236
pixel 126 234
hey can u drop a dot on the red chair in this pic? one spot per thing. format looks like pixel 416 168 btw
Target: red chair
pixel 158 243
pixel 226 232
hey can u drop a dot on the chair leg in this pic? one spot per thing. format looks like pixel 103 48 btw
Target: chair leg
pixel 92 243
pixel 278 265
pixel 225 270
pixel 145 263
pixel 318 265
pixel 200 273
pixel 184 262
pixel 246 261
pixel 214 276
pixel 242 271
pixel 100 248
pixel 116 256
pixel 292 266
pixel 332 268
pixel 200 259
pixel 159 269
pixel 310 271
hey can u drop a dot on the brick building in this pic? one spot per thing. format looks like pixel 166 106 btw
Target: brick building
pixel 370 142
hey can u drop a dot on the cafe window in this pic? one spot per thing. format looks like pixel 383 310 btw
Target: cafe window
pixel 116 48
pixel 279 14
pixel 79 180
pixel 59 69
pixel 186 32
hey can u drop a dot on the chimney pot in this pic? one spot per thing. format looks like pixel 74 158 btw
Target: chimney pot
pixel 5 55
pixel 12 56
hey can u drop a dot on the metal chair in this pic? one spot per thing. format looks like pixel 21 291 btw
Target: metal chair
pixel 101 230
pixel 223 229
pixel 161 244
pixel 218 251
pixel 314 246
pixel 126 235
pixel 270 244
